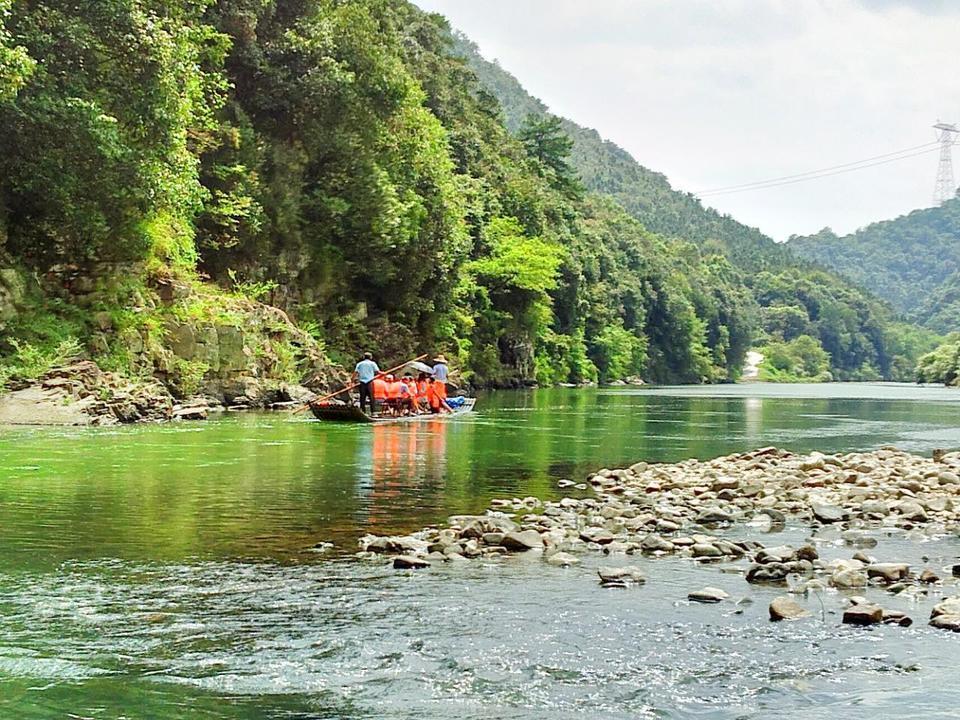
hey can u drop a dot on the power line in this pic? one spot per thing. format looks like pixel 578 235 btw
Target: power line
pixel 817 172
pixel 825 172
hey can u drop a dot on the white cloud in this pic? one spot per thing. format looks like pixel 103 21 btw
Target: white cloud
pixel 719 92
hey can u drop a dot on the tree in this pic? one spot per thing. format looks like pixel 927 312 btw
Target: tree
pixel 547 143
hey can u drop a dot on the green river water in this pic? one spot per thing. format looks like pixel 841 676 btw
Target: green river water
pixel 170 571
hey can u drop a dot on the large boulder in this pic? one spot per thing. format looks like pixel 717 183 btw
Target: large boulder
pixel 888 572
pixel 863 614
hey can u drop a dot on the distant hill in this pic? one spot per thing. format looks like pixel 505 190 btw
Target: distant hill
pixel 911 261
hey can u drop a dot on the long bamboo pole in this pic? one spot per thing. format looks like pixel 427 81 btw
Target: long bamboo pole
pixel 355 385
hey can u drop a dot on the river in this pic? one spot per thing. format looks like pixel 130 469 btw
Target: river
pixel 172 571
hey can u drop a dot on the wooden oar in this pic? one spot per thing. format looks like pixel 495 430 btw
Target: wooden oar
pixel 355 385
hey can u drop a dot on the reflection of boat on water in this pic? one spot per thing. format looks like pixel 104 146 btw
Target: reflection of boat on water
pixel 342 412
pixel 402 466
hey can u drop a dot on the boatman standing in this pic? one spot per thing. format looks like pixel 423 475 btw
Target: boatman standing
pixel 364 374
pixel 440 373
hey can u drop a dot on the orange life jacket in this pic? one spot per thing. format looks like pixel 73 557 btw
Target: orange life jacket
pixel 393 390
pixel 379 388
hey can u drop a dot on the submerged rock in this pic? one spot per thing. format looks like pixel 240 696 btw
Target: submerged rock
pixel 896 617
pixel 562 559
pixel 410 562
pixel 708 595
pixel 620 576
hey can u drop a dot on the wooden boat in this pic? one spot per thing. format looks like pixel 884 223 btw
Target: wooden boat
pixel 342 412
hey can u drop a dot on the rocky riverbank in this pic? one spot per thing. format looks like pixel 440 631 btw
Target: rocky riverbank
pixel 695 509
pixel 83 394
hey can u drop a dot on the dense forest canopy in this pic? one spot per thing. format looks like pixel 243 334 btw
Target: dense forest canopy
pixel 346 161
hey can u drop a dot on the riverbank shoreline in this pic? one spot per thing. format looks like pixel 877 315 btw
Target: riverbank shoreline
pixel 692 509
pixel 81 394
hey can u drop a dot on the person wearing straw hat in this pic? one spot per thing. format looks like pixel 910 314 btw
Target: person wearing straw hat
pixel 440 373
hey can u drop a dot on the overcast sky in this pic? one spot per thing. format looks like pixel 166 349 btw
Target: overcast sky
pixel 714 93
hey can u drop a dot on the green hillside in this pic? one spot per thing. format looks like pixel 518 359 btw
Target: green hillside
pixel 162 164
pixel 850 325
pixel 908 261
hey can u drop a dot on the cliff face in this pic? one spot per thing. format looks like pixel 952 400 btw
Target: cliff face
pixel 193 338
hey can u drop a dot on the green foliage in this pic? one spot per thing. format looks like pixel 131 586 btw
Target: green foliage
pixel 940 311
pixel 907 344
pixel 850 326
pixel 547 143
pixel 188 376
pixel 799 360
pixel 905 261
pixel 942 365
pixel 16 65
pixel 99 144
pixel 619 354
pixel 251 289
pixel 29 362
pixel 563 359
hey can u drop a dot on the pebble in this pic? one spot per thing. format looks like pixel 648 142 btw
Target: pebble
pixel 848 579
pixel 827 513
pixel 598 535
pixel 947 621
pixel 664 509
pixel 705 550
pixel 888 572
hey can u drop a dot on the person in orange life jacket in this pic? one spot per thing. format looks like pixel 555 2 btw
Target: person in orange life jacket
pixel 423 386
pixel 380 389
pixel 437 397
pixel 392 388
pixel 408 395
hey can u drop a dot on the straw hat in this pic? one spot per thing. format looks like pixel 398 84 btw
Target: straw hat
pixel 439 359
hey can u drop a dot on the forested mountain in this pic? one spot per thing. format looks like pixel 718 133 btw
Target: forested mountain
pixel 797 297
pixel 911 262
pixel 343 162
